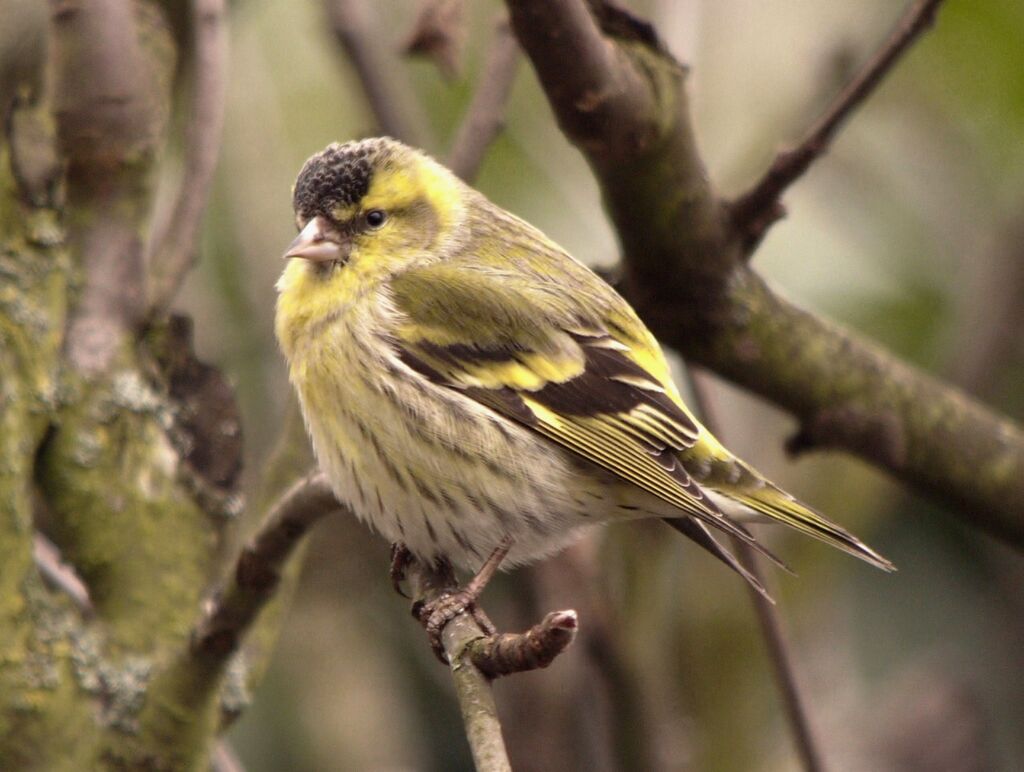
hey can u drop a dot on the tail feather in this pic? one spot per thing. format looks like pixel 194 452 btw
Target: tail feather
pixel 774 503
pixel 698 532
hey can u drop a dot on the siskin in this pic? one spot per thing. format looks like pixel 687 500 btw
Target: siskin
pixel 474 392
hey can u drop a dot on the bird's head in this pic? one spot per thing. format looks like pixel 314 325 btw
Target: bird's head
pixel 365 210
pixel 371 205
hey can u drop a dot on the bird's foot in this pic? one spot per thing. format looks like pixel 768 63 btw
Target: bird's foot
pixel 401 558
pixel 436 614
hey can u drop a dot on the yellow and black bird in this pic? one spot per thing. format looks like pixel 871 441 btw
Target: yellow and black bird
pixel 474 392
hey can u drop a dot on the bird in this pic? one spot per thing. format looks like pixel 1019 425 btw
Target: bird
pixel 476 394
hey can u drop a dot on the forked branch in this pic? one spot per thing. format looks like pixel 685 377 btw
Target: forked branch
pixel 755 211
pixel 476 656
pixel 172 252
pixel 686 274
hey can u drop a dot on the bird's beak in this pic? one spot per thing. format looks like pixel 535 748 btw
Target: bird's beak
pixel 319 242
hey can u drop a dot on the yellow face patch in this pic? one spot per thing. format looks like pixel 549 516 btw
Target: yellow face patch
pixel 394 188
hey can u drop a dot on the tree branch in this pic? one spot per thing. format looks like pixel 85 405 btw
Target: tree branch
pixel 485 116
pixel 755 211
pixel 183 700
pixel 439 34
pixel 172 253
pixel 767 613
pixel 391 106
pixel 257 570
pixel 507 653
pixel 111 110
pixel 476 656
pixel 472 687
pixel 687 278
pixel 597 99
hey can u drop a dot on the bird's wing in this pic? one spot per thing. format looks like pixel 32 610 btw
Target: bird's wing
pixel 566 361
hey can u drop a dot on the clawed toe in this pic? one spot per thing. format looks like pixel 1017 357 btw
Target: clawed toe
pixel 400 560
pixel 435 616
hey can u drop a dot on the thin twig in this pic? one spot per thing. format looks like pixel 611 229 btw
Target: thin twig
pixel 258 569
pixel 767 613
pixel 393 108
pixel 476 656
pixel 485 116
pixel 472 687
pixel 172 252
pixel 439 34
pixel 755 211
pixel 507 653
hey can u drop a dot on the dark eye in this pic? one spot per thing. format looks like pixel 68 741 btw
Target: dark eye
pixel 375 218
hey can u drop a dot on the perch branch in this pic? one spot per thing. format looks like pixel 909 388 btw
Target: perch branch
pixel 172 253
pixel 258 568
pixel 485 116
pixel 476 656
pixel 767 614
pixel 686 275
pixel 755 211
pixel 472 688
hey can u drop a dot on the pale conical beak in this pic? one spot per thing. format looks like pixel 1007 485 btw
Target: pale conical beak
pixel 319 242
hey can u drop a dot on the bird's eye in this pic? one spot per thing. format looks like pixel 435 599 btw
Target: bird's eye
pixel 375 218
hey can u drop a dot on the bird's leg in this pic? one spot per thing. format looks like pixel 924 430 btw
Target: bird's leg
pixel 436 614
pixel 400 560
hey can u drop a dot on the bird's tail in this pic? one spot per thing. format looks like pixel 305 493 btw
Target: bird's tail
pixel 697 531
pixel 758 495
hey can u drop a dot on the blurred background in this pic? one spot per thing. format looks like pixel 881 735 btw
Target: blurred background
pixel 911 230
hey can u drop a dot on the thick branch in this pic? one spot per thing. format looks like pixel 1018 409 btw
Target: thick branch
pixel 755 211
pixel 600 97
pixel 172 253
pixel 486 114
pixel 686 277
pixel 851 395
pixel 110 111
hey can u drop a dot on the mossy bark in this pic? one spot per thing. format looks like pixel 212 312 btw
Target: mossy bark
pixel 97 431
